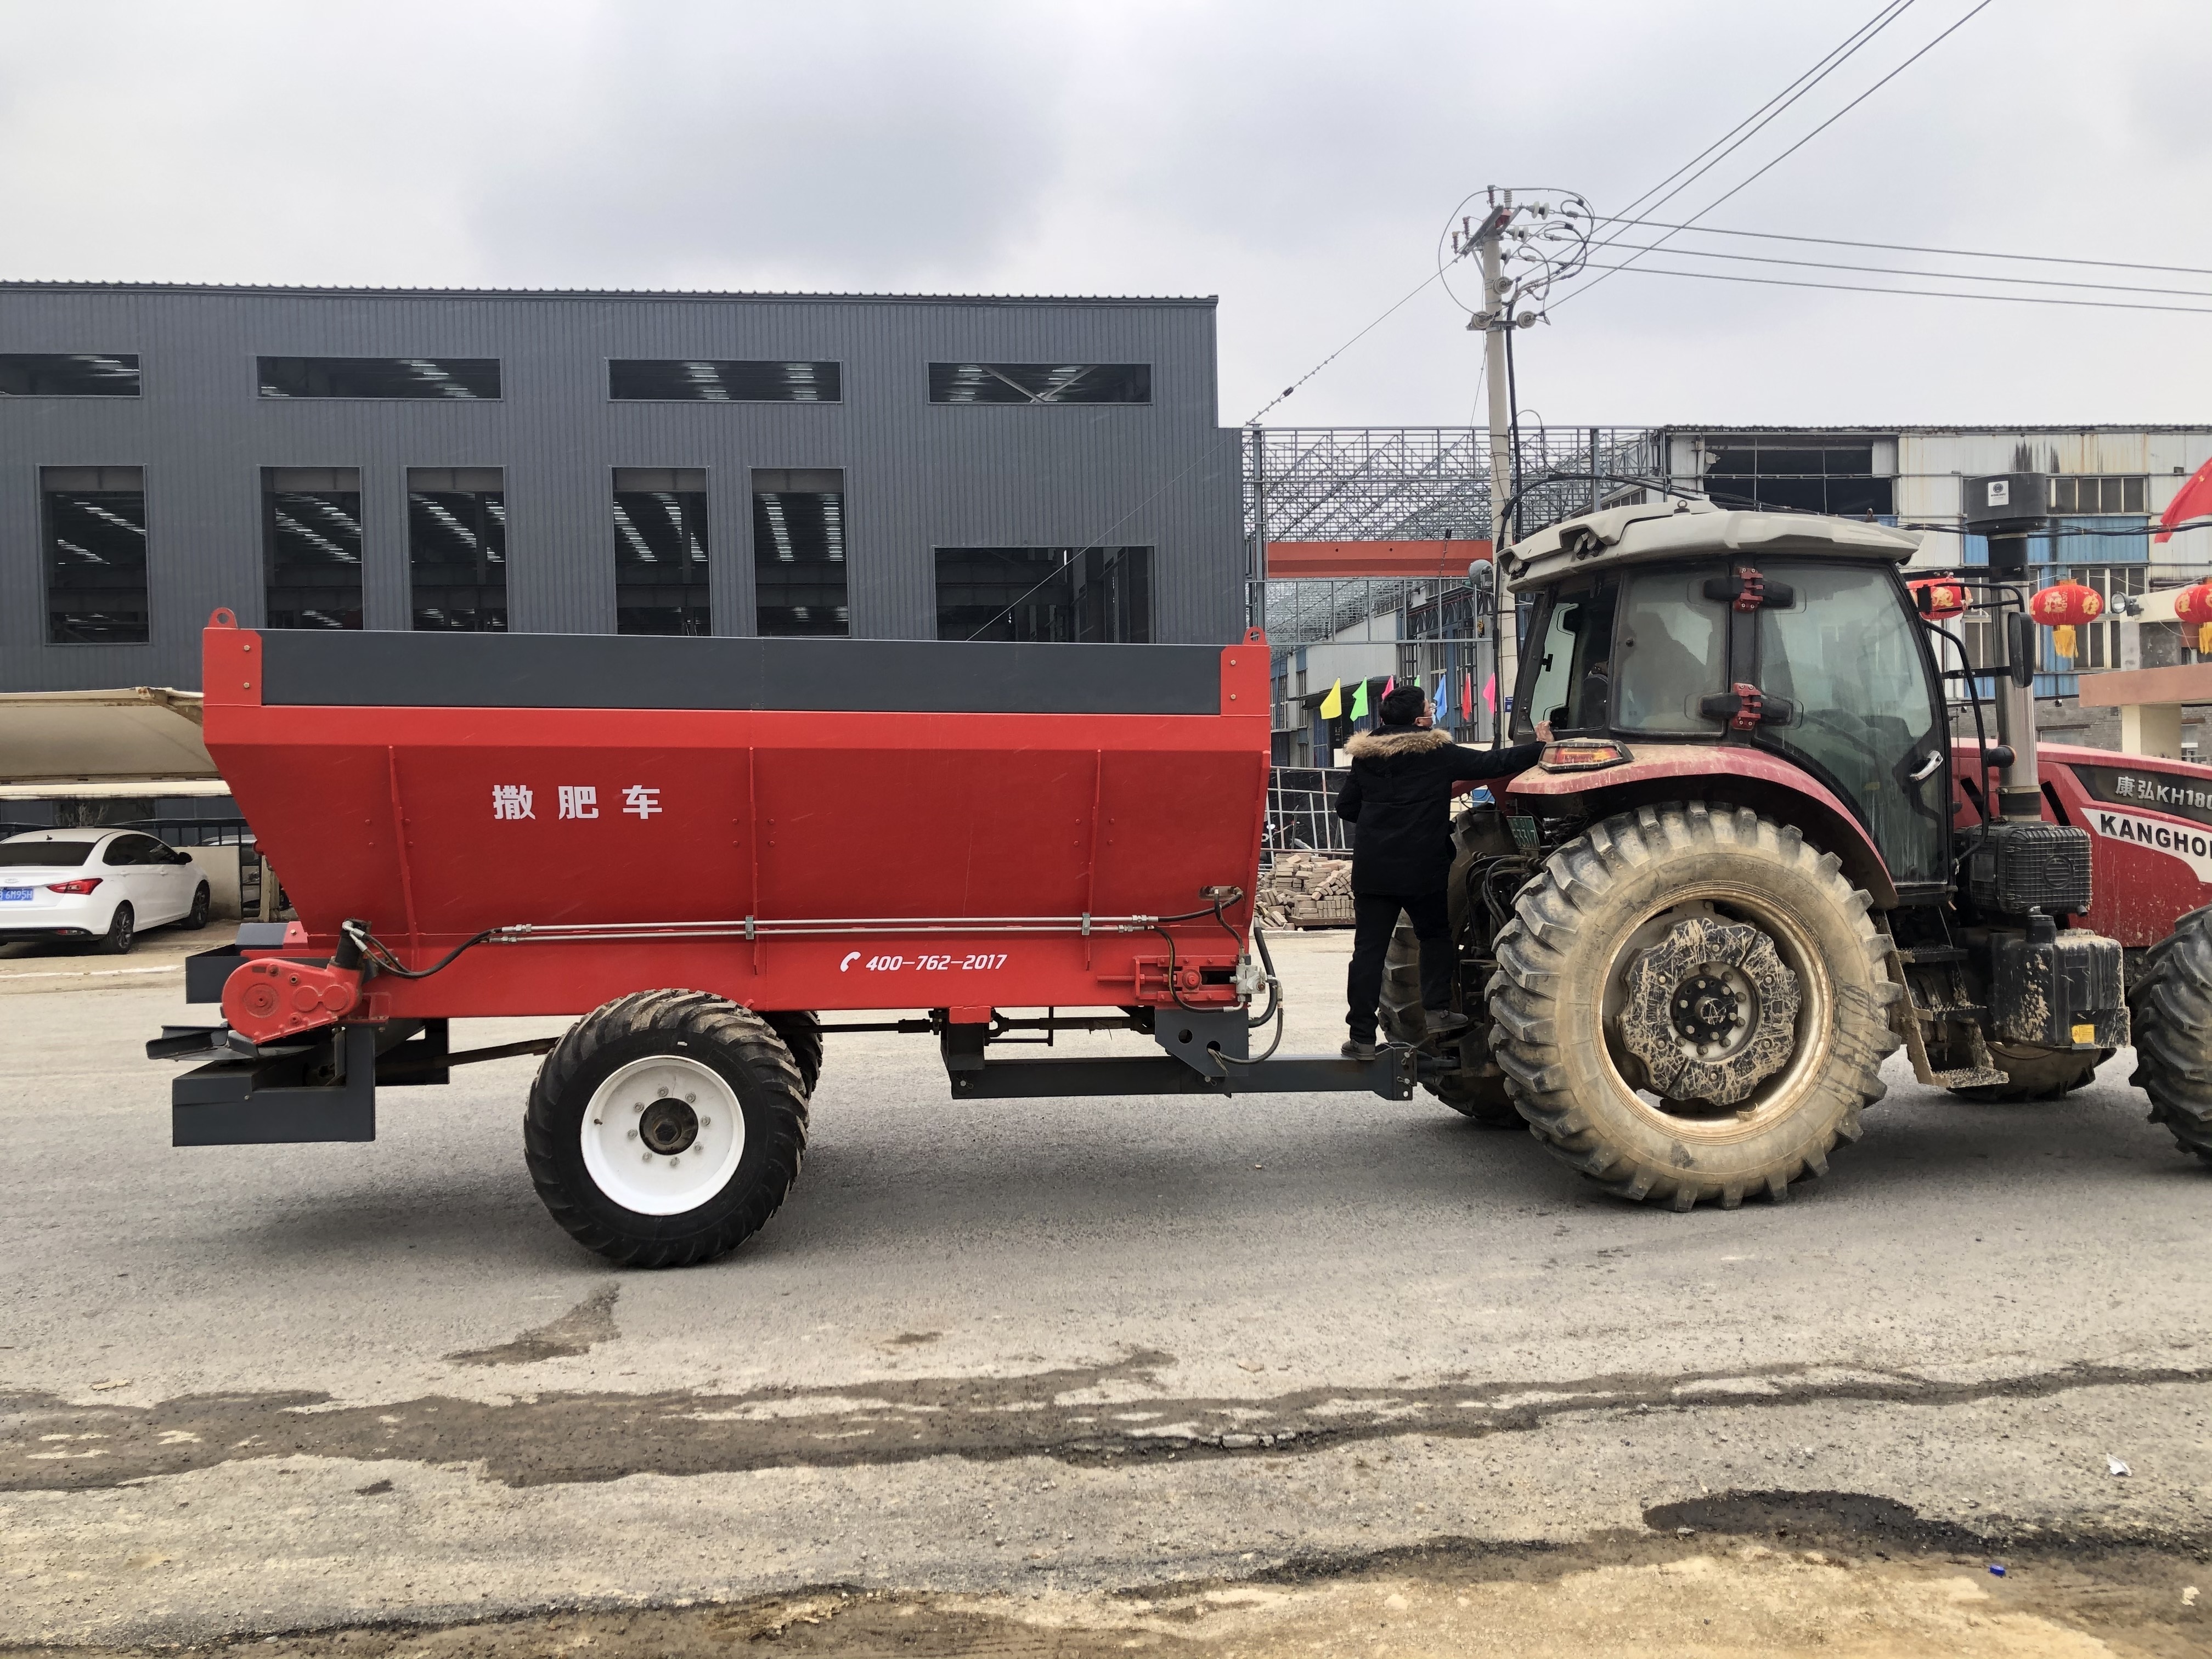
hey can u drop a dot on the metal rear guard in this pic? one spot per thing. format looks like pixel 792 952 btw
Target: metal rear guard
pixel 251 1102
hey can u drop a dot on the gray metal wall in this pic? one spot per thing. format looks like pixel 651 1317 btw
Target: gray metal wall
pixel 918 476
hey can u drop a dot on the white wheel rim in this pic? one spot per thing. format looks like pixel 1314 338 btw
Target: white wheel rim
pixel 619 1138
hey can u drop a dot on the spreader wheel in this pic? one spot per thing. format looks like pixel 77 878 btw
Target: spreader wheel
pixel 801 1032
pixel 666 1127
pixel 1690 1005
pixel 1477 1091
pixel 2171 1011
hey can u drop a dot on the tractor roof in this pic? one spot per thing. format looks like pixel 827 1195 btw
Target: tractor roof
pixel 1691 529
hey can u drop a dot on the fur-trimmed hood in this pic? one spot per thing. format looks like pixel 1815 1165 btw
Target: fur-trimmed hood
pixel 1397 740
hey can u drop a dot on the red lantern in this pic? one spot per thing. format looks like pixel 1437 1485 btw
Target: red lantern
pixel 2194 604
pixel 1940 600
pixel 2064 607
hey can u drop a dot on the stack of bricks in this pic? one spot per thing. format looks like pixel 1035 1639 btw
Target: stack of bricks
pixel 1306 890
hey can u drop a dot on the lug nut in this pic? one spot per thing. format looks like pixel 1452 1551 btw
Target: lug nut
pixel 692 1100
pixel 637 1106
pixel 648 1158
pixel 630 1135
pixel 706 1122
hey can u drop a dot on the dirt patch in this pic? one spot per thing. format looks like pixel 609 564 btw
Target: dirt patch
pixel 589 1322
pixel 1651 1598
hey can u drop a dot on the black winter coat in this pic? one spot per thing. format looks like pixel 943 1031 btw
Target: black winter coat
pixel 1400 795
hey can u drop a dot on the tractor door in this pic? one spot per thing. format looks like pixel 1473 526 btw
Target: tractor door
pixel 1865 716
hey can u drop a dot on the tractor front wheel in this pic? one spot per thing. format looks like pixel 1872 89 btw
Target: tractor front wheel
pixel 665 1128
pixel 2170 1012
pixel 1691 1005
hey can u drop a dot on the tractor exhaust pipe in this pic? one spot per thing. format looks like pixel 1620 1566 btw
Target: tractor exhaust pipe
pixel 2020 784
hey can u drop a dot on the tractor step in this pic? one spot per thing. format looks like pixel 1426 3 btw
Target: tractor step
pixel 1969 1076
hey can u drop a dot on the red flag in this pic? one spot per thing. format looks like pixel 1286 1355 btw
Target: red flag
pixel 1466 698
pixel 1389 683
pixel 2192 501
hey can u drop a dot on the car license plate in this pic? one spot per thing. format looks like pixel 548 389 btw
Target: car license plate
pixel 15 896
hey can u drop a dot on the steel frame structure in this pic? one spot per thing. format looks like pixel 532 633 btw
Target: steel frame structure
pixel 1399 484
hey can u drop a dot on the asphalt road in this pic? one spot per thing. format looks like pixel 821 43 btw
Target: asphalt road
pixel 1037 1349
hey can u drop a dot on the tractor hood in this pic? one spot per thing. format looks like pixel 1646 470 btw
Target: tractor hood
pixel 1690 529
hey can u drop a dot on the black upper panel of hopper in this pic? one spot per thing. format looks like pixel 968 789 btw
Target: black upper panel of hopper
pixel 604 671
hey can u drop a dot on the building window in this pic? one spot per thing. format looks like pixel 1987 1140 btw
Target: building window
pixel 798 552
pixel 660 551
pixel 2099 495
pixel 1101 594
pixel 380 377
pixel 1836 478
pixel 721 380
pixel 68 375
pixel 1040 383
pixel 457 548
pixel 311 546
pixel 94 533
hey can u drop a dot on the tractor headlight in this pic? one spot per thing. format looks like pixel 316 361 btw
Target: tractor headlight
pixel 1574 755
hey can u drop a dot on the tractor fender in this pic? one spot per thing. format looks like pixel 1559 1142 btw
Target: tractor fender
pixel 1721 775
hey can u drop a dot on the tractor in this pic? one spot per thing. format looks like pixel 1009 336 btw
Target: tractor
pixel 1755 860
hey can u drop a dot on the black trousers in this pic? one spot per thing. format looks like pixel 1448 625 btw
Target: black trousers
pixel 1374 918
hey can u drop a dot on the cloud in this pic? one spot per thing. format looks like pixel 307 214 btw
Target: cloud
pixel 1298 158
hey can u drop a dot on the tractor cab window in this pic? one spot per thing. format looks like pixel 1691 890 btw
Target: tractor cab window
pixel 1568 679
pixel 1863 714
pixel 1671 645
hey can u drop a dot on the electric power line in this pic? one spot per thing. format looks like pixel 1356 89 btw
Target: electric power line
pixel 1924 293
pixel 1912 247
pixel 1895 270
pixel 1781 101
pixel 1982 6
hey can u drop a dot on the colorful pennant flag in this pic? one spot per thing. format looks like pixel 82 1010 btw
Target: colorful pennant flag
pixel 1466 698
pixel 1331 706
pixel 1359 701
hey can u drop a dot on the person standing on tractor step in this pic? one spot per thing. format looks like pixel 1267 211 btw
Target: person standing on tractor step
pixel 1399 795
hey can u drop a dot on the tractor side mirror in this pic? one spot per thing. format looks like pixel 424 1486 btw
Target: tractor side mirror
pixel 2020 648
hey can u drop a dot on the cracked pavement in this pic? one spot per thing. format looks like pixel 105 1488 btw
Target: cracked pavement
pixel 1049 1349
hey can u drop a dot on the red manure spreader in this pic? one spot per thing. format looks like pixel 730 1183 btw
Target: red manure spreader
pixel 702 845
pixel 1774 838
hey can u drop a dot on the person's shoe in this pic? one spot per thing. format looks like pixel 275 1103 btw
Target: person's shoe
pixel 1443 1022
pixel 1355 1049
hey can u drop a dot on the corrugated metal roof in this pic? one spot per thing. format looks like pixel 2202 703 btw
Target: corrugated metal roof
pixel 1208 300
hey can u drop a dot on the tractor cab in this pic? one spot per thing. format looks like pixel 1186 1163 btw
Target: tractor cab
pixel 1784 637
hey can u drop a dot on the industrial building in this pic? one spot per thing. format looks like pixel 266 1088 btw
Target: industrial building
pixel 877 466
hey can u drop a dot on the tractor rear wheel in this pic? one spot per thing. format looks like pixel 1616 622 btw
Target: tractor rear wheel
pixel 1475 1091
pixel 2035 1073
pixel 665 1128
pixel 1691 1005
pixel 2170 1012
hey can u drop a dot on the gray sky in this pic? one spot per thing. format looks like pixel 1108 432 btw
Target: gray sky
pixel 1297 159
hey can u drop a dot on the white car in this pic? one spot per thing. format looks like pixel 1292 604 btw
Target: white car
pixel 103 885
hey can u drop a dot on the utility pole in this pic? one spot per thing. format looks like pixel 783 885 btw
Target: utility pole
pixel 1495 320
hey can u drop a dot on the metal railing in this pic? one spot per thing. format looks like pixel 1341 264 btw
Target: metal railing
pixel 1302 812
